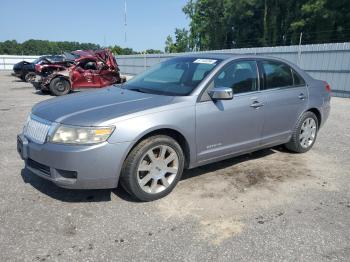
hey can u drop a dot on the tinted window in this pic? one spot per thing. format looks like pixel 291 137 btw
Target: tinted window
pixel 240 76
pixel 276 74
pixel 298 80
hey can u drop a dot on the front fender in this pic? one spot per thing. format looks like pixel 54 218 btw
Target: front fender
pixel 181 120
pixel 47 80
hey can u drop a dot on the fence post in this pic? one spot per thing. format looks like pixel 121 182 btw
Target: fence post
pixel 3 60
pixel 299 51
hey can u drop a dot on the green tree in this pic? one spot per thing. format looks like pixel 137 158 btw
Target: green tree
pixel 181 43
pixel 208 29
pixel 220 24
pixel 42 47
pixel 324 21
pixel 153 51
pixel 117 50
pixel 169 45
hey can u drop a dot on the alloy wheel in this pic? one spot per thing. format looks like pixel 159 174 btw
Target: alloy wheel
pixel 60 86
pixel 307 132
pixel 157 169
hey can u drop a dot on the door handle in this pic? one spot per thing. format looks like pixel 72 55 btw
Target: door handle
pixel 302 96
pixel 257 104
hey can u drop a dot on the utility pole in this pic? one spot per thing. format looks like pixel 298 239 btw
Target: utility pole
pixel 300 38
pixel 233 36
pixel 125 23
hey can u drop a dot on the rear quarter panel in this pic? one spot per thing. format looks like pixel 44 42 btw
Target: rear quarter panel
pixel 319 98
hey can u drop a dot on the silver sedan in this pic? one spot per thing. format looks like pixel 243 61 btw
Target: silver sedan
pixel 182 113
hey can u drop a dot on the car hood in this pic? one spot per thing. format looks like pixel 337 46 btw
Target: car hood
pixel 92 108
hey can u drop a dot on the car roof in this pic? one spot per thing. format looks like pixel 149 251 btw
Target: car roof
pixel 221 56
pixel 232 56
pixel 229 56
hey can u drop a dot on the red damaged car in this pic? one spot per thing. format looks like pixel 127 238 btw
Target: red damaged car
pixel 46 69
pixel 92 69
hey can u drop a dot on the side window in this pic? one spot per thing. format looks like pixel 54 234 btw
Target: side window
pixel 298 80
pixel 276 74
pixel 87 65
pixel 240 76
pixel 91 65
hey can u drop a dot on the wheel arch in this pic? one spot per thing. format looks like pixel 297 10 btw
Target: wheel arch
pixel 317 113
pixel 171 132
pixel 59 76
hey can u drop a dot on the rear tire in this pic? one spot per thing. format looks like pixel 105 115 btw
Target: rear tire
pixel 153 168
pixel 304 134
pixel 59 86
pixel 30 77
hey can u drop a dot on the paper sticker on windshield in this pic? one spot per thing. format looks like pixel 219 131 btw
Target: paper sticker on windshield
pixel 205 61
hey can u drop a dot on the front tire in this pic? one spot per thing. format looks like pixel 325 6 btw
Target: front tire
pixel 304 134
pixel 59 86
pixel 153 168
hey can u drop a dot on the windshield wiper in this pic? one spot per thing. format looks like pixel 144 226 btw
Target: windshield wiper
pixel 141 90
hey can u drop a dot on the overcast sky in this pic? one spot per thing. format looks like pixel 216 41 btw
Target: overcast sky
pixel 149 22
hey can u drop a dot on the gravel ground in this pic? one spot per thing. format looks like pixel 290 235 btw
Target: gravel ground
pixel 266 206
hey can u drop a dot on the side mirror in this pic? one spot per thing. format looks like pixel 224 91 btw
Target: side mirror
pixel 221 93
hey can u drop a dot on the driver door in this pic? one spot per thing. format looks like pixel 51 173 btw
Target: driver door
pixel 105 76
pixel 83 76
pixel 225 127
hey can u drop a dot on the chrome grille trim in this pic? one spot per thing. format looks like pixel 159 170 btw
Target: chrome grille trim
pixel 36 129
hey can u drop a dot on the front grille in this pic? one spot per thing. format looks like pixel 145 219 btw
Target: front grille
pixel 36 129
pixel 37 166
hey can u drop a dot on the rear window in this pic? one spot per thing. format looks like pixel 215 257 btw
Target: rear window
pixel 298 80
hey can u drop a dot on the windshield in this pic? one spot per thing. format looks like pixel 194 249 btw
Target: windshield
pixel 176 77
pixel 70 56
pixel 37 60
pixel 54 58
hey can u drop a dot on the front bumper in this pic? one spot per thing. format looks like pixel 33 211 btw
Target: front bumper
pixel 73 166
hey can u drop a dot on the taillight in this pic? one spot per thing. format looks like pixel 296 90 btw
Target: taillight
pixel 327 86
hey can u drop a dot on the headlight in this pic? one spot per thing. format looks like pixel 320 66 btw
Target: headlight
pixel 81 135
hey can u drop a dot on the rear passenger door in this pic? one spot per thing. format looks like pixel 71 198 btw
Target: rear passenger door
pixel 286 96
